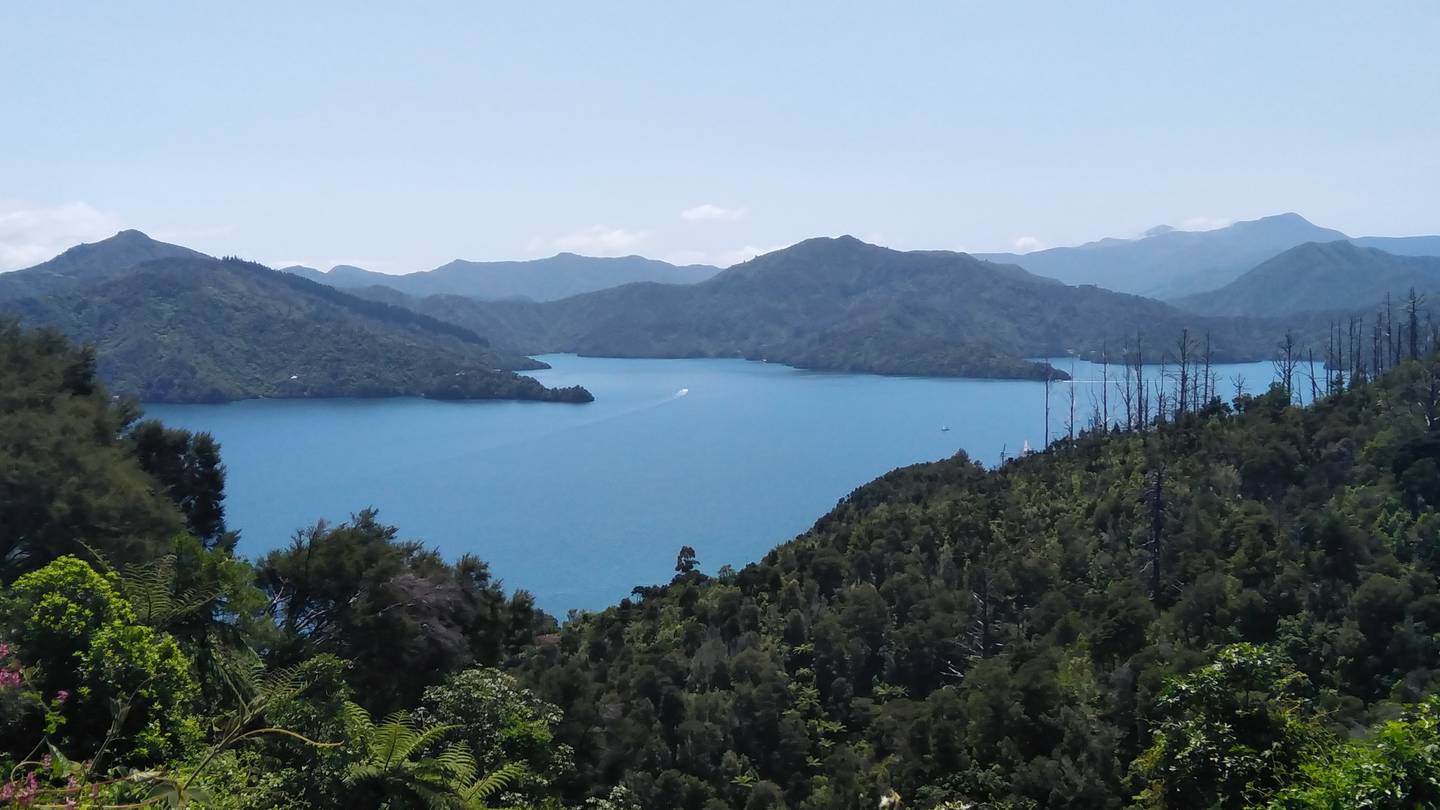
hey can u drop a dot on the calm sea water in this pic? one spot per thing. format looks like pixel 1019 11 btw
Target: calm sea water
pixel 580 503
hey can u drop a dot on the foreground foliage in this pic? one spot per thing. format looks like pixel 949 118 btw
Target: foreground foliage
pixel 1238 609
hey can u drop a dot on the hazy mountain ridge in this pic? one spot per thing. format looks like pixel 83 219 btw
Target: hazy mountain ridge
pixel 192 328
pixel 1172 264
pixel 1402 245
pixel 548 279
pixel 1319 277
pixel 1167 263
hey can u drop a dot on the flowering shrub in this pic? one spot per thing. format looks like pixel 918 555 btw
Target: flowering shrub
pixel 88 656
pixel 10 676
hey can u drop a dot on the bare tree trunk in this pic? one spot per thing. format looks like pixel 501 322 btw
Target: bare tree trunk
pixel 1314 386
pixel 1184 350
pixel 1105 384
pixel 1157 528
pixel 1160 398
pixel 1432 399
pixel 1412 307
pixel 1070 427
pixel 1127 392
pixel 1142 406
pixel 1285 363
pixel 1047 406
pixel 1390 354
pixel 1377 342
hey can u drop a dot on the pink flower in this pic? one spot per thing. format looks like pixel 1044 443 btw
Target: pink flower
pixel 62 696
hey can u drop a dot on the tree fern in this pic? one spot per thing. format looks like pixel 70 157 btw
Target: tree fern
pixel 401 760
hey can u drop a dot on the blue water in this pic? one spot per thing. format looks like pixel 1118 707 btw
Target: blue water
pixel 580 503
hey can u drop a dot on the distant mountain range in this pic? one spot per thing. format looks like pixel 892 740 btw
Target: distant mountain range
pixel 844 305
pixel 549 279
pixel 1316 277
pixel 172 325
pixel 1167 263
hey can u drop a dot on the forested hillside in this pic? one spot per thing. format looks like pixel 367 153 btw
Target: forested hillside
pixel 1008 637
pixel 188 328
pixel 845 305
pixel 1235 607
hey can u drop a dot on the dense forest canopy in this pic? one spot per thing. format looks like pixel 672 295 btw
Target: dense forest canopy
pixel 1224 605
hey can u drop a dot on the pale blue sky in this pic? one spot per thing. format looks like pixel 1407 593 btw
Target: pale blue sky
pixel 347 132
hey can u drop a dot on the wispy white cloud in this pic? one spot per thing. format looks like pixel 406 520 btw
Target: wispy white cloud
pixel 30 234
pixel 1028 244
pixel 596 240
pixel 709 212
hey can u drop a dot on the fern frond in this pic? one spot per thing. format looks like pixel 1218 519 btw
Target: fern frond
pixel 356 717
pixel 425 737
pixel 494 782
pixel 458 763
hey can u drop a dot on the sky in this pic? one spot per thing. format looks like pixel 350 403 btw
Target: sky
pixel 398 139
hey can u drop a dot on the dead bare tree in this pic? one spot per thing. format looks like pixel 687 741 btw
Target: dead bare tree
pixel 1432 396
pixel 1105 384
pixel 1412 311
pixel 1390 355
pixel 1155 496
pixel 1160 398
pixel 1183 350
pixel 1285 362
pixel 1314 386
pixel 1070 423
pixel 1124 387
pixel 1048 370
pixel 1377 343
pixel 1209 388
pixel 1142 406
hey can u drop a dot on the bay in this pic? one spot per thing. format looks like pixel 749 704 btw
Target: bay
pixel 578 504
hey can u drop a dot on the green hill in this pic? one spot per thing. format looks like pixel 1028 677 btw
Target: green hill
pixel 194 329
pixel 1316 277
pixel 89 262
pixel 844 305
